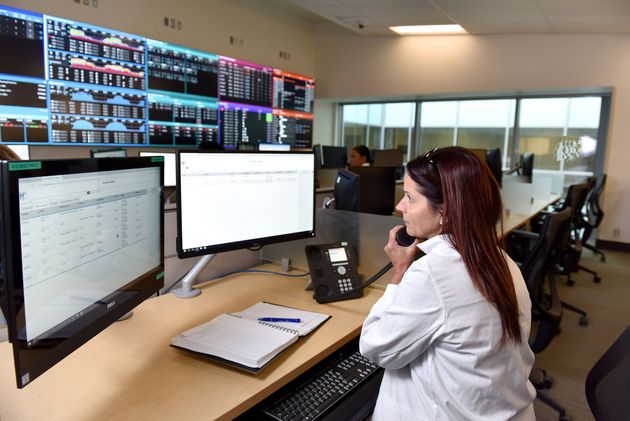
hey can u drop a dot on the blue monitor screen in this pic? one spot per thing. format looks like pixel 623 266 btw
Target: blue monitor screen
pixel 73 83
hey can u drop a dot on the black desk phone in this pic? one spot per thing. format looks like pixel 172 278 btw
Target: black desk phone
pixel 333 269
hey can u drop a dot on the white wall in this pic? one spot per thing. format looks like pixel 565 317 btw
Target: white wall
pixel 353 66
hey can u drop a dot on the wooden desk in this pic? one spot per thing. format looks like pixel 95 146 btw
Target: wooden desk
pixel 516 220
pixel 129 371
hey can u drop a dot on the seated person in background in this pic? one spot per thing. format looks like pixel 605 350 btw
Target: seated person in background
pixel 360 156
pixel 7 154
pixel 451 329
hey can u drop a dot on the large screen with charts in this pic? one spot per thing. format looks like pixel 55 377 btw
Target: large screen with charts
pixel 81 246
pixel 233 200
pixel 72 83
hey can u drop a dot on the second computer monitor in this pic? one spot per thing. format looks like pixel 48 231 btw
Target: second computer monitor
pixel 387 157
pixel 527 164
pixel 495 162
pixel 492 157
pixel 334 156
pixel 21 151
pixel 230 200
pixel 169 166
pixel 366 190
pixel 108 153
pixel 274 147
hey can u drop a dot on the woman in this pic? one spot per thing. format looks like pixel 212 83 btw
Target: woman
pixel 451 328
pixel 360 156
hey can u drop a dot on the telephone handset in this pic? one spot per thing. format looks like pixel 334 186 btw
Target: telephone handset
pixel 403 239
pixel 334 272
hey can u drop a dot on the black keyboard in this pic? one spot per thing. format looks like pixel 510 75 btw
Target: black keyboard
pixel 316 394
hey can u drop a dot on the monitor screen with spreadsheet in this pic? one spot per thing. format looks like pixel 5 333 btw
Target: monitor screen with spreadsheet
pixel 81 245
pixel 169 166
pixel 229 200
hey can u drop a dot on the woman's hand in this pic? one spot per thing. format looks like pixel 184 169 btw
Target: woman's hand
pixel 401 257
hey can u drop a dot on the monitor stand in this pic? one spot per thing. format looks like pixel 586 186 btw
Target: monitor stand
pixel 125 316
pixel 186 290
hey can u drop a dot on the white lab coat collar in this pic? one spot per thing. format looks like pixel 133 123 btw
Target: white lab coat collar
pixel 436 242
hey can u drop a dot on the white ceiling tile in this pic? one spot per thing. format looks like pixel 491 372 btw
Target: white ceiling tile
pixel 498 16
pixel 482 28
pixel 596 16
pixel 566 5
pixel 336 10
pixel 449 6
pixel 592 28
pixel 314 3
pixel 477 16
pixel 409 20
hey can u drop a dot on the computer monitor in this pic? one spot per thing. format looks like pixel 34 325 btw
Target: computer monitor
pixel 108 153
pixel 495 162
pixel 230 200
pixel 366 190
pixel 347 191
pixel 81 245
pixel 334 156
pixel 21 151
pixel 317 150
pixel 387 157
pixel 169 166
pixel 480 153
pixel 284 147
pixel 527 164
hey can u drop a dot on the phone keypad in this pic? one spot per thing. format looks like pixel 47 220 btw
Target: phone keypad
pixel 344 284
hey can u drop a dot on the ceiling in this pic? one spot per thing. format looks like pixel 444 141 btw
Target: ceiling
pixel 373 17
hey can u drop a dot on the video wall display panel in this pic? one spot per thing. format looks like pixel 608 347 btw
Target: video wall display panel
pixel 72 83
pixel 293 92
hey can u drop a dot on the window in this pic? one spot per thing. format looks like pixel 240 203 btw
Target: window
pixel 379 126
pixel 542 126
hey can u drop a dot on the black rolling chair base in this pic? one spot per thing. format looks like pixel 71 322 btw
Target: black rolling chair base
pixel 562 413
pixel 583 319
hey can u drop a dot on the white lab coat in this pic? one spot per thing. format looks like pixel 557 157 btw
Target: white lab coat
pixel 437 338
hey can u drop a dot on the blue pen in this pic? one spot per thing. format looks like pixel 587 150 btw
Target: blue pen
pixel 278 319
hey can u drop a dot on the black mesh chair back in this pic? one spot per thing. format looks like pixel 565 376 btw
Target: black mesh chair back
pixel 608 383
pixel 536 269
pixel 595 214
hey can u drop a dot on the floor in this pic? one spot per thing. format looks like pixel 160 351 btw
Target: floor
pixel 575 350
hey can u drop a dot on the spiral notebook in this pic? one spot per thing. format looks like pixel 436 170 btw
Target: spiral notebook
pixel 241 340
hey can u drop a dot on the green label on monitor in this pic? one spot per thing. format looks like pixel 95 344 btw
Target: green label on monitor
pixel 157 159
pixel 269 117
pixel 29 165
pixel 159 276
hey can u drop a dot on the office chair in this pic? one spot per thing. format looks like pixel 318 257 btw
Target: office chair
pixel 576 198
pixel 608 382
pixel 570 251
pixel 593 217
pixel 540 255
pixel 579 225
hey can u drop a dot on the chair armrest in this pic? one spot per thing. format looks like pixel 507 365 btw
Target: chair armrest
pixel 525 234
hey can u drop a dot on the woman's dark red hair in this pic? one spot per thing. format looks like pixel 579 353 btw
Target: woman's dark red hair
pixel 462 187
